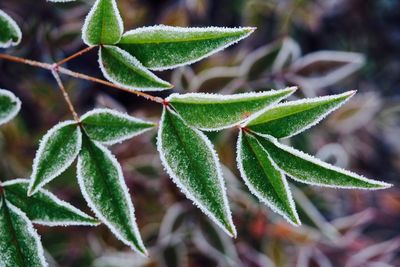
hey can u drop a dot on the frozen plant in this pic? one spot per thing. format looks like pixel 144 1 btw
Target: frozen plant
pixel 126 61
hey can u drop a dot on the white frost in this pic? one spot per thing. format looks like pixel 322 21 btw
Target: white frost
pixel 93 207
pixel 222 98
pixel 255 192
pixel 142 30
pixel 314 160
pixel 90 16
pixel 134 62
pixel 119 115
pixel 31 231
pixel 17 108
pixel 59 169
pixel 185 190
pixel 58 202
pixel 349 94
pixel 15 26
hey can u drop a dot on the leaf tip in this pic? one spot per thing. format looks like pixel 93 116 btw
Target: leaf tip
pixel 31 190
pixel 292 89
pixel 143 251
pixel 383 185
pixel 250 29
pixel 231 230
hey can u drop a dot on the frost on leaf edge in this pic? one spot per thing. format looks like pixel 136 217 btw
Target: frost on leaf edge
pixel 120 115
pixel 193 29
pixel 12 114
pixel 348 94
pixel 90 15
pixel 16 28
pixel 125 189
pixel 135 62
pixel 41 148
pixel 31 231
pixel 254 191
pixel 290 91
pixel 183 189
pixel 301 154
pixel 57 201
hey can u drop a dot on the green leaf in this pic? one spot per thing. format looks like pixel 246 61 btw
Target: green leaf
pixel 103 25
pixel 164 47
pixel 109 126
pixel 190 160
pixel 44 207
pixel 10 33
pixel 291 118
pixel 263 178
pixel 58 149
pixel 9 106
pixel 307 169
pixel 20 244
pixel 103 187
pixel 125 70
pixel 215 112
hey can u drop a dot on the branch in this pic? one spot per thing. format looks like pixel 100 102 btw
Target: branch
pixel 77 54
pixel 79 76
pixel 65 94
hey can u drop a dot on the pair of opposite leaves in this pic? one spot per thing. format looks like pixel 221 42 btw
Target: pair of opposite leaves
pixel 20 244
pixel 174 47
pixel 125 58
pixel 189 157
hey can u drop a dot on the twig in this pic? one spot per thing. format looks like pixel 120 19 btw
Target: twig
pixel 65 94
pixel 77 54
pixel 79 76
pixel 27 61
pixel 96 80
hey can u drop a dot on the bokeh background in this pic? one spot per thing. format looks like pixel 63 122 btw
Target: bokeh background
pixel 322 46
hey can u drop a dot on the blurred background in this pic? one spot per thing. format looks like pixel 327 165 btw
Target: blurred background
pixel 322 46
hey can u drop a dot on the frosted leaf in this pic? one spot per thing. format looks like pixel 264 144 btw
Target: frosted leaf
pixel 109 126
pixel 9 106
pixel 44 207
pixel 103 24
pixel 189 158
pixel 125 70
pixel 164 47
pixel 307 169
pixel 216 112
pixel 102 184
pixel 10 33
pixel 264 179
pixel 291 118
pixel 20 244
pixel 57 150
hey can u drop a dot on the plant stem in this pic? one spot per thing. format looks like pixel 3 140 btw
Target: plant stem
pixel 77 54
pixel 65 94
pixel 27 61
pixel 97 80
pixel 79 76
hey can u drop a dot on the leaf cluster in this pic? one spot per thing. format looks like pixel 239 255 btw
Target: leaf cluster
pixel 188 156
